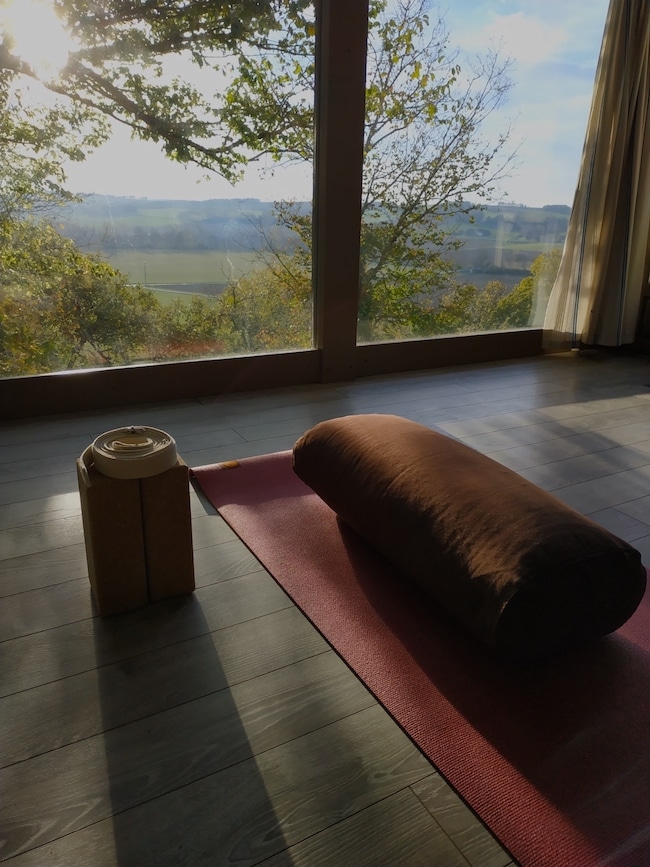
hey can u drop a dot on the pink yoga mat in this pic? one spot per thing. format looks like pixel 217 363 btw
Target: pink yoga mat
pixel 555 760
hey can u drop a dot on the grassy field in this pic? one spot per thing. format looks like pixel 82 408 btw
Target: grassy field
pixel 158 268
pixel 168 296
pixel 504 238
pixel 173 267
pixel 152 219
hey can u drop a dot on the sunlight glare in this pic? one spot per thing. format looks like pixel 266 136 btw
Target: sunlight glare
pixel 38 35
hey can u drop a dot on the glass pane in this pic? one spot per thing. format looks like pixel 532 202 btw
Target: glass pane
pixel 475 124
pixel 176 131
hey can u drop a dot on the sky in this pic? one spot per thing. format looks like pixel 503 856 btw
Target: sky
pixel 554 46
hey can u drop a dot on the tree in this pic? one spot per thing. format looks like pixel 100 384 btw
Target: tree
pixel 426 159
pixel 543 273
pixel 35 141
pixel 124 68
pixel 466 308
pixel 190 330
pixel 263 312
pixel 61 309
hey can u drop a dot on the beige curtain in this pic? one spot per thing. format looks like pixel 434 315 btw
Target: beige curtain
pixel 604 268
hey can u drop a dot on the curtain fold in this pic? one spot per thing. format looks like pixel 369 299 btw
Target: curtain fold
pixel 604 268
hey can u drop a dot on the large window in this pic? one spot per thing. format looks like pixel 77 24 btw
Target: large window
pixel 443 216
pixel 184 137
pixel 475 122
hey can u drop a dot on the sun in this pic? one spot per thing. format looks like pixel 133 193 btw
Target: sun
pixel 37 35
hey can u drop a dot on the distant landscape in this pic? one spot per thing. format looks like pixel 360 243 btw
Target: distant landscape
pixel 180 248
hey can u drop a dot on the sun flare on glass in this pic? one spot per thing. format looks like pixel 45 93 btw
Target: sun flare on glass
pixel 37 35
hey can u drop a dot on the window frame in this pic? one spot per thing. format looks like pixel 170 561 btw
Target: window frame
pixel 340 62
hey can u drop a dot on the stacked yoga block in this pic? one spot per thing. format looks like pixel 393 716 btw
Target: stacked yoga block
pixel 135 507
pixel 528 576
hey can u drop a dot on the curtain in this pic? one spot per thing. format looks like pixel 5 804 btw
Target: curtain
pixel 603 272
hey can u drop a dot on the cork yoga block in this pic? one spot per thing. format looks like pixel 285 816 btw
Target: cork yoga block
pixel 138 537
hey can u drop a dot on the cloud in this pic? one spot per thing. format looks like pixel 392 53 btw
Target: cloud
pixel 527 39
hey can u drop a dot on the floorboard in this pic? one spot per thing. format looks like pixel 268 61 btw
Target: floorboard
pixel 220 728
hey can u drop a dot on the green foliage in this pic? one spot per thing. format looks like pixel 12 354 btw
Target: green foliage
pixel 425 157
pixel 125 67
pixel 61 309
pixel 269 103
pixel 468 309
pixel 264 313
pixel 35 140
pixel 189 330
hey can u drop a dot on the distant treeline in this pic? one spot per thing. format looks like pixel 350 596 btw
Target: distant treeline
pixel 109 224
pixel 518 223
pixel 220 234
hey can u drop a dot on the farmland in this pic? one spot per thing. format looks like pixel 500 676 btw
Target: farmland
pixel 183 267
pixel 199 247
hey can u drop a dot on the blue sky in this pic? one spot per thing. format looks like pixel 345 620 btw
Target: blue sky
pixel 554 45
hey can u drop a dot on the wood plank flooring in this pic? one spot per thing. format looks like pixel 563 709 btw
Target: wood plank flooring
pixel 221 729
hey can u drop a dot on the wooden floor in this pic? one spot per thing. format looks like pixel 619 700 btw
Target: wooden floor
pixel 220 729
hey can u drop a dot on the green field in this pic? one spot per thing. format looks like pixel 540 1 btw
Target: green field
pixel 157 268
pixel 162 267
pixel 168 296
pixel 151 219
pixel 174 240
pixel 501 243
